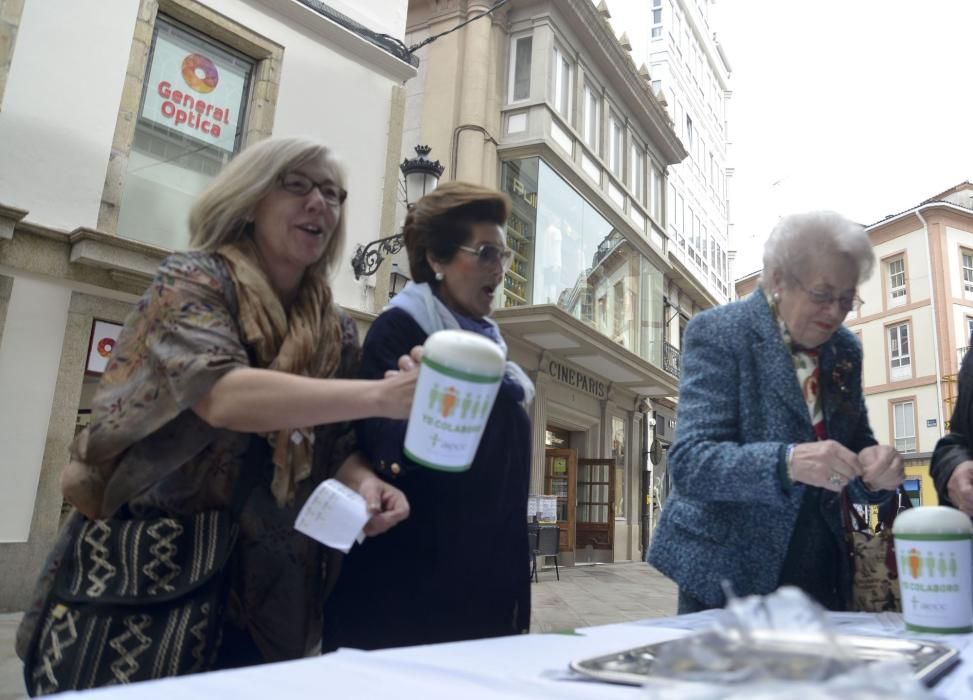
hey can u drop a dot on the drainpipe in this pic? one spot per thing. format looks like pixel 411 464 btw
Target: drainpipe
pixel 935 333
pixel 454 145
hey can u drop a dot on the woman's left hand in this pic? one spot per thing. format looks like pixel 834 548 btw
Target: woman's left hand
pixel 882 467
pixel 387 505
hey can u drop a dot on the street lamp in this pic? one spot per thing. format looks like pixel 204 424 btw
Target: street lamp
pixel 421 177
pixel 397 280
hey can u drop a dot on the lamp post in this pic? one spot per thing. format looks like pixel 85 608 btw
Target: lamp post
pixel 421 177
pixel 397 280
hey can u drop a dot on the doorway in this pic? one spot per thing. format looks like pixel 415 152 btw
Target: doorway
pixel 595 521
pixel 560 474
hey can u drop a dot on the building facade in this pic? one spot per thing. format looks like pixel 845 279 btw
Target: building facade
pixel 916 324
pixel 542 101
pixel 674 44
pixel 106 141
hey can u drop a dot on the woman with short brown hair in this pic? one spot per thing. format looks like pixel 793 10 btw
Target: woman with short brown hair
pixel 457 568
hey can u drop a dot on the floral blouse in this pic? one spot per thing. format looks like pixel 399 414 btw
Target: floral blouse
pixel 147 451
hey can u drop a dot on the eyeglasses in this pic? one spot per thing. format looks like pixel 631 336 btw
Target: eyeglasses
pixel 824 297
pixel 489 254
pixel 301 185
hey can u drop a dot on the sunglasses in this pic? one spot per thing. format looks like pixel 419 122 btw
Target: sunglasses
pixel 489 254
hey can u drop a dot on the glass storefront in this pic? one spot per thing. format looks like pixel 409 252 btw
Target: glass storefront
pixel 566 253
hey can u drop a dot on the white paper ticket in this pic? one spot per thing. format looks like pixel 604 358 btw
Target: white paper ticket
pixel 334 515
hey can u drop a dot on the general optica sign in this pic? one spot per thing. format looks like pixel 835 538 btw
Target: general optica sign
pixel 195 92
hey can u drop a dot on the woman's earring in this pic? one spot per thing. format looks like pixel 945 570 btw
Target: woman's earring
pixel 776 297
pixel 440 276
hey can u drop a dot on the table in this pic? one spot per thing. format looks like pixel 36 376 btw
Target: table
pixel 527 666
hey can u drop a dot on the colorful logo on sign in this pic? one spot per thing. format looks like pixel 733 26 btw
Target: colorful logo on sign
pixel 200 73
pixel 446 402
pixel 105 346
pixel 928 565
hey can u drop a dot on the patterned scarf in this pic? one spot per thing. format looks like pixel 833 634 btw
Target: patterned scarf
pixel 306 341
pixel 808 371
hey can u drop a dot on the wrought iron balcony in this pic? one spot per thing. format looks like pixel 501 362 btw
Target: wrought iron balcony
pixel 670 359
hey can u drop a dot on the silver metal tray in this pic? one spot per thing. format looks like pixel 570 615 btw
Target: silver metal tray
pixel 930 660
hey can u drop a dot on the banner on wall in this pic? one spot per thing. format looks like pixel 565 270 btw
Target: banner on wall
pixel 195 89
pixel 104 337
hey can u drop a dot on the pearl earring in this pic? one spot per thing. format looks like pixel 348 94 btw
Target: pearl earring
pixel 440 276
pixel 776 297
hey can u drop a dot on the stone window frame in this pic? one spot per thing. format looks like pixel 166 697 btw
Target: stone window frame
pixel 10 13
pixel 261 107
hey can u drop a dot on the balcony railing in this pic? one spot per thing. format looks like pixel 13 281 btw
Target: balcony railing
pixel 670 359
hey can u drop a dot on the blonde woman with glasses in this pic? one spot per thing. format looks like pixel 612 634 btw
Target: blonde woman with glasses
pixel 772 433
pixel 231 390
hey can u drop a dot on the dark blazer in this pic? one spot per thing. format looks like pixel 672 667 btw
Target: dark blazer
pixel 457 568
pixel 732 509
pixel 955 446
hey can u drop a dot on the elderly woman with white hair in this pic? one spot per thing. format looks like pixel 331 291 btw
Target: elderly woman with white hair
pixel 772 428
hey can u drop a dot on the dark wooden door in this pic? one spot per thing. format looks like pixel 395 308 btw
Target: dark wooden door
pixel 560 473
pixel 595 514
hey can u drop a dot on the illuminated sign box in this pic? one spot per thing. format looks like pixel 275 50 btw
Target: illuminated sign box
pixel 195 89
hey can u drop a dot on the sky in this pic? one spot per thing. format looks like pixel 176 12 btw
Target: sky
pixel 860 106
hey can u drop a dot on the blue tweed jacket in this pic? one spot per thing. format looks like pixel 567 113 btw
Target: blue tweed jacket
pixel 732 508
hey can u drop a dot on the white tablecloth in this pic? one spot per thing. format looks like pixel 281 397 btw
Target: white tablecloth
pixel 528 666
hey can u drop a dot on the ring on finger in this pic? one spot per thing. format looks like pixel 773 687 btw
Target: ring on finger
pixel 835 479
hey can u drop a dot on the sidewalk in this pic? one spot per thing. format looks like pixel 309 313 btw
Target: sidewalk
pixel 11 680
pixel 597 594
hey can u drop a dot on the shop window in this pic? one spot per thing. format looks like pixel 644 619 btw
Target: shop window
pixel 573 257
pixel 618 452
pixel 557 437
pixel 913 489
pixel 520 68
pixel 189 124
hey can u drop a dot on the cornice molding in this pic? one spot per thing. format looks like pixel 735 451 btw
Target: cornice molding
pixel 600 31
pixel 9 218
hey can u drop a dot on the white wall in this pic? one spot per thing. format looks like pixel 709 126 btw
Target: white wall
pixel 59 115
pixel 30 354
pixel 60 107
pixel 381 16
pixel 330 96
pixel 926 409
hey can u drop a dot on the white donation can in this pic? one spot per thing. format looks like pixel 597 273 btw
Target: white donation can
pixel 457 385
pixel 934 548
